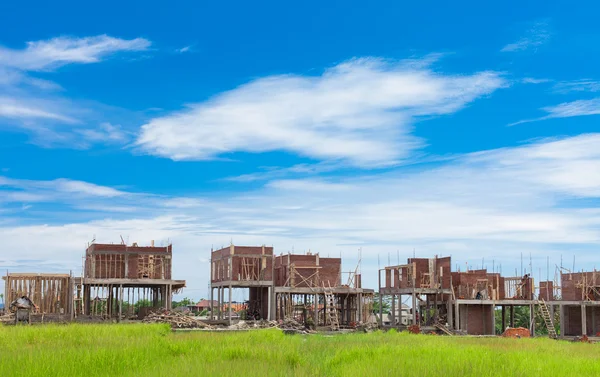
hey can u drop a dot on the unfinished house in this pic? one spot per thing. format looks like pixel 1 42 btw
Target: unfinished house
pixel 427 283
pixel 453 302
pixel 477 293
pixel 52 294
pixel 580 304
pixel 118 276
pixel 309 286
pixel 305 287
pixel 248 267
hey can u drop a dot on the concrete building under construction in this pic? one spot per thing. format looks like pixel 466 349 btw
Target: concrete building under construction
pixel 116 280
pixel 456 302
pixel 305 287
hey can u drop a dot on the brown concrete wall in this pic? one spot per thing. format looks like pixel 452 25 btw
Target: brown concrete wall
pixel 329 271
pixel 261 270
pixel 260 295
pixel 546 291
pixel 110 261
pixel 569 282
pixel 573 320
pixel 477 319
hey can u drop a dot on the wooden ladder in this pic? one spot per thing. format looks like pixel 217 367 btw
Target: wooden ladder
pixel 547 319
pixel 330 307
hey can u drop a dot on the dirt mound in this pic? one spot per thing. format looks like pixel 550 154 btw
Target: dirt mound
pixel 414 329
pixel 516 332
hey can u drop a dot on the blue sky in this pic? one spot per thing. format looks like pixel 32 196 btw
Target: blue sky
pixel 467 130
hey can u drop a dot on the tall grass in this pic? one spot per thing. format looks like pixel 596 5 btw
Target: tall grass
pixel 152 350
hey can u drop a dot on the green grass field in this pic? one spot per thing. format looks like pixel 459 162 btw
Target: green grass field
pixel 153 350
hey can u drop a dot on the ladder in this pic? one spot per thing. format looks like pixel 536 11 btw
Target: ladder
pixel 547 318
pixel 330 307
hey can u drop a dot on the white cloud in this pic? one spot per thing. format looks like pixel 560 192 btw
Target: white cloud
pixel 567 110
pixel 584 85
pixel 184 49
pixel 56 52
pixel 360 111
pixel 34 106
pixel 533 80
pixel 54 191
pixel 534 37
pixel 541 198
pixel 25 109
pixel 105 133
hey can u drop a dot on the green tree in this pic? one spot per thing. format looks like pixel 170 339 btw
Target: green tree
pixel 522 319
pixel 386 304
pixel 184 302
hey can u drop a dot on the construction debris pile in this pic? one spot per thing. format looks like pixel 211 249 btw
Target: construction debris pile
pixel 175 319
pixel 516 332
pixel 366 327
pixel 7 318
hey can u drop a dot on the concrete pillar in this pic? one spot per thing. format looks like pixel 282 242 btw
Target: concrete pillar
pixel 120 302
pixel 532 319
pixel 414 309
pixel 316 309
pixel 229 309
pixel 359 307
pixel 219 303
pixel 393 321
pixel 211 303
pixel 450 321
pixel 456 316
pixel 562 320
pixel 583 320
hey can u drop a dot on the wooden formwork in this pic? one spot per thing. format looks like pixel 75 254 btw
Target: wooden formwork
pixel 51 293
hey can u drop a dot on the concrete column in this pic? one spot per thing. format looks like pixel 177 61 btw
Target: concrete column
pixel 219 303
pixel 450 318
pixel 457 315
pixel 316 309
pixel 414 309
pixel 120 302
pixel 583 320
pixel 269 289
pixel 562 320
pixel 393 321
pixel 211 303
pixel 532 319
pixel 359 307
pixel 229 309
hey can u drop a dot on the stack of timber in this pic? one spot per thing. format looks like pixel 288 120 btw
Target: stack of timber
pixel 176 320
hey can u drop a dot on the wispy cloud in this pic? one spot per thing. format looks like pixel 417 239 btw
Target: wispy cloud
pixel 360 111
pixel 56 52
pixel 584 85
pixel 41 108
pixel 537 35
pixel 184 49
pixel 24 109
pixel 533 80
pixel 567 110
